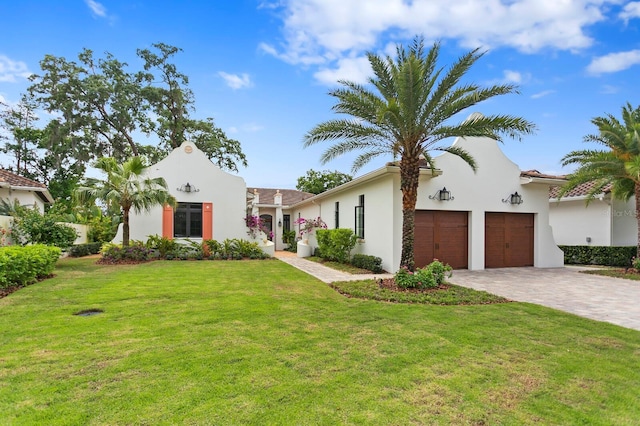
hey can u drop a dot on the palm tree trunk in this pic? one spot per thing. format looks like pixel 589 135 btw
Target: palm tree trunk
pixel 125 227
pixel 637 194
pixel 409 179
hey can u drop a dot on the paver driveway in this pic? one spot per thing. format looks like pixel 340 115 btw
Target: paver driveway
pixel 600 298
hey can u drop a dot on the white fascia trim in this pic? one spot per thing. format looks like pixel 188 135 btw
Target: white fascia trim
pixel 363 179
pixel 600 197
pixel 45 192
pixel 544 181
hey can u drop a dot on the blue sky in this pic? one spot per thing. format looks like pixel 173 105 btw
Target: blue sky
pixel 262 68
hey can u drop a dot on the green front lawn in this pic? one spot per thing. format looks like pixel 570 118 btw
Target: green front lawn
pixel 258 342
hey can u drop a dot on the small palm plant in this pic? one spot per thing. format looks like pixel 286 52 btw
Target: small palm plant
pixel 408 116
pixel 617 166
pixel 125 186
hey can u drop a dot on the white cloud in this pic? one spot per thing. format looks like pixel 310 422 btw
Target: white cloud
pixel 323 32
pixel 352 69
pixel 608 89
pixel 542 94
pixel 97 8
pixel 337 26
pixel 236 81
pixel 11 71
pixel 631 10
pixel 614 62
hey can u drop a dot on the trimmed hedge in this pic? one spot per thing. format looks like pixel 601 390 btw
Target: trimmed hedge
pixel 599 255
pixel 365 261
pixel 24 265
pixel 80 250
pixel 336 244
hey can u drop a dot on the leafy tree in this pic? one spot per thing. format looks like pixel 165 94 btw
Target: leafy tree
pixel 21 138
pixel 317 182
pixel 172 102
pixel 617 165
pixel 102 105
pixel 408 116
pixel 126 187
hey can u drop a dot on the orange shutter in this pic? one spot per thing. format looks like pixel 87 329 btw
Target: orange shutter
pixel 167 221
pixel 207 221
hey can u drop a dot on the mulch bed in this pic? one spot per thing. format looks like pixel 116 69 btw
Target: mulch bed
pixel 4 292
pixel 390 284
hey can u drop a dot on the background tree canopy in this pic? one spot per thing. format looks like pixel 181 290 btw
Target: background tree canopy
pixel 317 182
pixel 100 108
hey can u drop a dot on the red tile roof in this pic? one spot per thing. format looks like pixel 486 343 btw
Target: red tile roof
pixel 17 180
pixel 579 191
pixel 537 174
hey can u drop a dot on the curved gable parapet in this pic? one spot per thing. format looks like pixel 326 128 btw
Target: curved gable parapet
pixel 489 157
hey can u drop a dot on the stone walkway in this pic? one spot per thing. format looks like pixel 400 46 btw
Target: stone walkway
pixel 600 298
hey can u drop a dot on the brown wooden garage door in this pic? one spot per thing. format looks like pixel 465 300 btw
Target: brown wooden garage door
pixel 508 240
pixel 441 235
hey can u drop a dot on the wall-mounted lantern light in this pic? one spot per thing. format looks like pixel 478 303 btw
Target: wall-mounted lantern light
pixel 188 188
pixel 514 199
pixel 442 195
pixel 279 223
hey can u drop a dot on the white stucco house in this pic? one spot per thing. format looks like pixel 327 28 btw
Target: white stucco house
pixel 603 222
pixel 496 217
pixel 211 203
pixel 27 192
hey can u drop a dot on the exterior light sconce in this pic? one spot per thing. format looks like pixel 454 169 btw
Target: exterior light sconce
pixel 515 199
pixel 279 223
pixel 442 195
pixel 188 188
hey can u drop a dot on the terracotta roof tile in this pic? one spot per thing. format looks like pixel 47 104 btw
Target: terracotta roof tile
pixel 536 173
pixel 17 180
pixel 579 191
pixel 289 196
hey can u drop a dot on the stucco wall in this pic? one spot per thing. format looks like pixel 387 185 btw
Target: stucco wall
pixel 484 191
pixel 25 198
pixel 475 193
pixel 378 210
pixel 188 164
pixel 573 222
pixel 624 224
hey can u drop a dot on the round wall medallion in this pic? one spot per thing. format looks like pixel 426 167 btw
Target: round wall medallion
pixel 188 149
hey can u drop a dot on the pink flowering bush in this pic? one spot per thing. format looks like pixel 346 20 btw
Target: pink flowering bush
pixel 307 226
pixel 256 226
pixel 5 237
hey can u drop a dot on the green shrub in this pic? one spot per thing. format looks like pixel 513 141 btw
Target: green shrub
pixel 365 261
pixel 115 253
pixel 31 227
pixel 599 255
pixel 336 244
pixel 234 249
pixel 289 237
pixel 24 265
pixel 430 276
pixel 101 229
pixel 165 246
pixel 80 250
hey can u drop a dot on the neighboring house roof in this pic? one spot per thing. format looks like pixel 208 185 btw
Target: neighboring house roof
pixel 581 190
pixel 16 182
pixel 289 196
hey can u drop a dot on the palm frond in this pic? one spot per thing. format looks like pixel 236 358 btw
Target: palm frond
pixel 463 154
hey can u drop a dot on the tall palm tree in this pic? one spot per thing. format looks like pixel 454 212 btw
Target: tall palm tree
pixel 408 116
pixel 618 165
pixel 126 187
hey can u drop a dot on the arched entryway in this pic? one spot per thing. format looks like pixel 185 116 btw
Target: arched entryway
pixel 267 221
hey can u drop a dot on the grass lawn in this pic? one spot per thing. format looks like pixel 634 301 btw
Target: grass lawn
pixel 615 273
pixel 344 267
pixel 259 342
